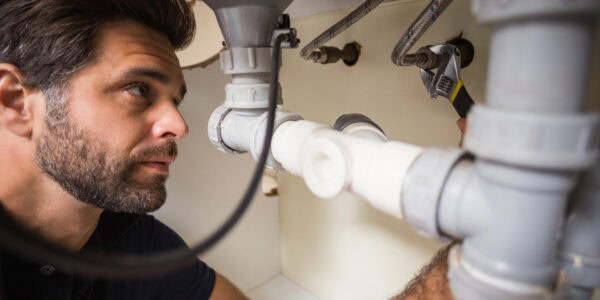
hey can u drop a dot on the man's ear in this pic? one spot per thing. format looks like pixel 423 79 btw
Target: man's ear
pixel 16 114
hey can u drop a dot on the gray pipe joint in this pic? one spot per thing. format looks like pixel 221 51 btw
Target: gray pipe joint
pixel 507 218
pixel 423 188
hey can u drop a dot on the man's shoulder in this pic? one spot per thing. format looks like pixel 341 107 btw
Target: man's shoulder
pixel 144 234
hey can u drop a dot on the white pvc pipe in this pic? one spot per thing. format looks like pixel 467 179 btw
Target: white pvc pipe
pixel 331 162
pixel 239 128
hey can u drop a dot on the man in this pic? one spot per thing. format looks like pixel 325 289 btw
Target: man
pixel 89 92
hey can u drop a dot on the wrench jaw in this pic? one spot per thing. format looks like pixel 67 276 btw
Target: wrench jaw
pixel 445 79
pixel 427 77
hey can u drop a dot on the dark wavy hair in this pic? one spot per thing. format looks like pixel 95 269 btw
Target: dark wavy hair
pixel 50 40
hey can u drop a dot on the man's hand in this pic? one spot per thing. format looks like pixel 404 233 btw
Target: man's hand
pixel 431 282
pixel 225 290
pixel 462 125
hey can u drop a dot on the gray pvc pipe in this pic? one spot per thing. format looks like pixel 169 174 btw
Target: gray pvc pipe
pixel 508 218
pixel 463 210
pixel 540 65
pixel 580 249
pixel 247 23
pixel 520 238
pixel 579 293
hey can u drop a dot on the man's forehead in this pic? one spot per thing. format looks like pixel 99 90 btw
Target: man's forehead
pixel 125 39
pixel 124 46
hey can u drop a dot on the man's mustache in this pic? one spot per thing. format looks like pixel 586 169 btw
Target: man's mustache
pixel 167 149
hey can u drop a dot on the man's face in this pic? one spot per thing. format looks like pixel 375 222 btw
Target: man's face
pixel 112 141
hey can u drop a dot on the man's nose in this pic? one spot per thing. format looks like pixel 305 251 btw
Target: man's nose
pixel 169 122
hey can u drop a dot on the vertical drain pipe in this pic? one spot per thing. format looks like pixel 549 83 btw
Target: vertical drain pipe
pixel 530 141
pixel 248 26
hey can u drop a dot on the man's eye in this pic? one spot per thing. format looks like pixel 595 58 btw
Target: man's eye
pixel 140 90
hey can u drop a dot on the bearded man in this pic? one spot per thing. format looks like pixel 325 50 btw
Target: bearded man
pixel 89 120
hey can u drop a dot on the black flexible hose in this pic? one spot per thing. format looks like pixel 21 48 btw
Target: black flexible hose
pixel 21 242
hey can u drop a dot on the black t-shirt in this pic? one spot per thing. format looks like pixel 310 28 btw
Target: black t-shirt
pixel 115 233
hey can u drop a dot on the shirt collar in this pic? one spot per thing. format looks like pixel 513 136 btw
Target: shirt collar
pixel 111 228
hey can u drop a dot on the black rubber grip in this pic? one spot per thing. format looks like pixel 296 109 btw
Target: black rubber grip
pixel 462 102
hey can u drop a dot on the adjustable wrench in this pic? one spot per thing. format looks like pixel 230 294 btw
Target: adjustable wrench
pixel 446 81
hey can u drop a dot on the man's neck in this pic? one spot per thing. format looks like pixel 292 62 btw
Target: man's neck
pixel 42 206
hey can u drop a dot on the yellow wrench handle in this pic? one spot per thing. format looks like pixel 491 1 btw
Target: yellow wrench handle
pixel 461 100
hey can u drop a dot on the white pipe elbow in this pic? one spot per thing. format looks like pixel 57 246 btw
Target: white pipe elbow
pixel 239 127
pixel 243 130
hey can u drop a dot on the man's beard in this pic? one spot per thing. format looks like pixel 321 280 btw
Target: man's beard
pixel 85 167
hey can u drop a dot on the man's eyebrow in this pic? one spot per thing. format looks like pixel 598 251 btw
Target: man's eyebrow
pixel 147 72
pixel 156 75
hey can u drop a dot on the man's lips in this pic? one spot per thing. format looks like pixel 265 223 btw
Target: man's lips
pixel 160 164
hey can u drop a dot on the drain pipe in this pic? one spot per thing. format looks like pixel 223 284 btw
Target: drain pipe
pixel 531 141
pixel 249 28
pixel 239 124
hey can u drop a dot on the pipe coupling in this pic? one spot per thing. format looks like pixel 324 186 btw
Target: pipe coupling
pixel 249 96
pixel 423 188
pixel 545 141
pixel 246 60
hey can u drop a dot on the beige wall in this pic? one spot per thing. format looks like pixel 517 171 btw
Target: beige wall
pixel 342 248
